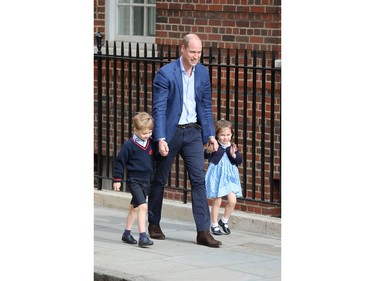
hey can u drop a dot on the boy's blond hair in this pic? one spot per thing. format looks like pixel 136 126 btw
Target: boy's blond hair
pixel 143 120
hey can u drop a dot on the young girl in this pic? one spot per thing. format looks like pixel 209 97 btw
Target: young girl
pixel 222 177
pixel 136 156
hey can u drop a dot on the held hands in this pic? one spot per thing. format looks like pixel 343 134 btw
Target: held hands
pixel 212 145
pixel 116 186
pixel 163 147
pixel 209 149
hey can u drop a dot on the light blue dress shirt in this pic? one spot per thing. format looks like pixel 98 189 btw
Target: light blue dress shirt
pixel 189 113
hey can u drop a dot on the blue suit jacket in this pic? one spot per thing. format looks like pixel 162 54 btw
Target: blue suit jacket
pixel 167 101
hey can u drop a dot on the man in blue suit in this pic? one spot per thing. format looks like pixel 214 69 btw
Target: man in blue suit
pixel 182 110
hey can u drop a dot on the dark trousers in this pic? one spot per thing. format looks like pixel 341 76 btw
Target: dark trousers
pixel 188 143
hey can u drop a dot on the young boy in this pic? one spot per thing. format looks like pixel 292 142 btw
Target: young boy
pixel 136 155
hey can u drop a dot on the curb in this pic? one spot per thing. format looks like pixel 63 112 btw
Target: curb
pixel 248 222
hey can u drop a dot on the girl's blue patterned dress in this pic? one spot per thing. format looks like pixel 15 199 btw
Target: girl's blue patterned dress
pixel 222 179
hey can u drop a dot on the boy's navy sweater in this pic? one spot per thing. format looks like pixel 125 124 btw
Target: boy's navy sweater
pixel 216 156
pixel 138 160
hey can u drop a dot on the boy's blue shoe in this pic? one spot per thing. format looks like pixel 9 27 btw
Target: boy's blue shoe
pixel 128 239
pixel 145 242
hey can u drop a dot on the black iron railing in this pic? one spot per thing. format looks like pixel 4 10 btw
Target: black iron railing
pixel 246 90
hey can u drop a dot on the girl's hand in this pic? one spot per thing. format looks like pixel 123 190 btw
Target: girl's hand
pixel 233 150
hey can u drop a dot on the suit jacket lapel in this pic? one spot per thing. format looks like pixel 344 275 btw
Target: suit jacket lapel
pixel 196 83
pixel 177 73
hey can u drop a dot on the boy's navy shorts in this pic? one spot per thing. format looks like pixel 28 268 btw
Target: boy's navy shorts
pixel 139 189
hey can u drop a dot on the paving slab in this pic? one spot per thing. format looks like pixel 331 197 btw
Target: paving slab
pixel 243 255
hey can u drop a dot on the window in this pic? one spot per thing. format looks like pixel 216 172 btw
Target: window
pixel 131 20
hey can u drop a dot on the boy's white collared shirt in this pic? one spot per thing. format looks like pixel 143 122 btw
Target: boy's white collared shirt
pixel 139 141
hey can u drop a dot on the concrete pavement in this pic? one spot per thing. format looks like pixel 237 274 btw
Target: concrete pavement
pixel 244 255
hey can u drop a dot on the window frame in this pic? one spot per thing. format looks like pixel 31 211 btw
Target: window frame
pixel 112 23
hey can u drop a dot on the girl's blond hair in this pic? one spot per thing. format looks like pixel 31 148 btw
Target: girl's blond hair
pixel 220 124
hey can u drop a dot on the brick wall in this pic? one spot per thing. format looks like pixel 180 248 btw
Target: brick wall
pixel 242 24
pixel 99 16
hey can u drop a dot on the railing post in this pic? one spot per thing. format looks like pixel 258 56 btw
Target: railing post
pixel 98 37
pixel 253 126
pixel 263 126
pixel 272 134
pixel 244 129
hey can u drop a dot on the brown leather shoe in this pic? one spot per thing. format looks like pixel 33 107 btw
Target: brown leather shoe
pixel 155 231
pixel 205 238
